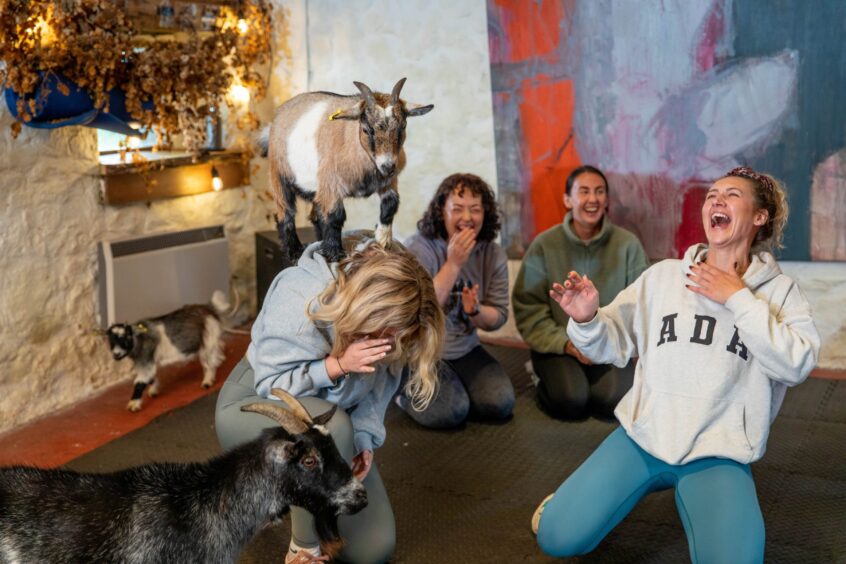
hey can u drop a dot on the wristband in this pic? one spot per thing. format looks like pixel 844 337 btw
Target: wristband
pixel 344 373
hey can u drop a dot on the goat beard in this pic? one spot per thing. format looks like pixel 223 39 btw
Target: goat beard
pixel 330 539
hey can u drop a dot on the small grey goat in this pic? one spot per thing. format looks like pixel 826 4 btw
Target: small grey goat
pixel 192 330
pixel 324 147
pixel 199 512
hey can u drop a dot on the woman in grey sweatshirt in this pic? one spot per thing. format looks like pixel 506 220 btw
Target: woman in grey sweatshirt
pixel 340 334
pixel 720 335
pixel 455 244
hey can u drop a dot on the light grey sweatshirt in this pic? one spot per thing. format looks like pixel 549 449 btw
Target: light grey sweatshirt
pixel 710 378
pixel 487 266
pixel 289 351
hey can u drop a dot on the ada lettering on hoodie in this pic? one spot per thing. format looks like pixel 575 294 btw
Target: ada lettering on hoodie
pixel 710 378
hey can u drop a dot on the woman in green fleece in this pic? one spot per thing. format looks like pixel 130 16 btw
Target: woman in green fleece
pixel 569 384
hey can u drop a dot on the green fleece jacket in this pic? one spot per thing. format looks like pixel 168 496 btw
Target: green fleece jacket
pixel 612 260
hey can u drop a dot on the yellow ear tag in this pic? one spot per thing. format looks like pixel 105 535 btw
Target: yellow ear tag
pixel 336 114
pixel 141 328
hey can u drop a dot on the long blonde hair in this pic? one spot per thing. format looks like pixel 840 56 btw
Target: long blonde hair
pixel 380 289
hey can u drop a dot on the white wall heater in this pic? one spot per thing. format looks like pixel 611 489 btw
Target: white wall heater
pixel 152 275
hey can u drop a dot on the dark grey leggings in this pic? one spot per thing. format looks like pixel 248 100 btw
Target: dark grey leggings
pixel 569 389
pixel 473 384
pixel 369 535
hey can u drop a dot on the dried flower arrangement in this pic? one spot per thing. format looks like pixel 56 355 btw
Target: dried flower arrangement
pixel 94 45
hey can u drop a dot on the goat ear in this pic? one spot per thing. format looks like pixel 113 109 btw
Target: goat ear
pixel 350 113
pixel 324 418
pixel 281 452
pixel 414 110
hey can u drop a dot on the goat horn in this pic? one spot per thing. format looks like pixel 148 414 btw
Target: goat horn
pixel 396 92
pixel 284 417
pixel 366 92
pixel 295 406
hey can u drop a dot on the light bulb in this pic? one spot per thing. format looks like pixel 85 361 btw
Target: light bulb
pixel 217 183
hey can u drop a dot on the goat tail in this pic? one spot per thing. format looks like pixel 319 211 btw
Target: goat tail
pixel 263 140
pixel 330 539
pixel 221 305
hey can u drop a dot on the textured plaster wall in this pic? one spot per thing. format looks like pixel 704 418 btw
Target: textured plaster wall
pixel 50 222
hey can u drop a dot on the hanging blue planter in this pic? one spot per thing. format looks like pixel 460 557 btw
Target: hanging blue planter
pixel 54 109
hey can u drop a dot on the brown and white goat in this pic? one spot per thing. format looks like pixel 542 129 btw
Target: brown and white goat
pixel 324 147
pixel 199 512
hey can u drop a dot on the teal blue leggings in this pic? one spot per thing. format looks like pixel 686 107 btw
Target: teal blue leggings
pixel 715 497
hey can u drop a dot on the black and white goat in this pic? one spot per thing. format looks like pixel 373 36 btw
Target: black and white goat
pixel 193 330
pixel 198 512
pixel 324 147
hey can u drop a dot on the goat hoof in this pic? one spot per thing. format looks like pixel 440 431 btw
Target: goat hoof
pixel 208 385
pixel 134 406
pixel 292 253
pixel 384 236
pixel 332 255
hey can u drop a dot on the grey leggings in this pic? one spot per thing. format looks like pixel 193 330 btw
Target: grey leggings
pixel 569 389
pixel 369 535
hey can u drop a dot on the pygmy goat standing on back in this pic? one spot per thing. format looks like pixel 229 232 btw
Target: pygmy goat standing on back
pixel 193 330
pixel 200 512
pixel 324 147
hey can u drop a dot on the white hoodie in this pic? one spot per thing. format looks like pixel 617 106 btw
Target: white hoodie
pixel 710 378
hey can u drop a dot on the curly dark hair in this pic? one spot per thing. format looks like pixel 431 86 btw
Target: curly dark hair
pixel 432 225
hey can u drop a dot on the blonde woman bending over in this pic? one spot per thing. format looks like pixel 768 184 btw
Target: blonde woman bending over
pixel 341 333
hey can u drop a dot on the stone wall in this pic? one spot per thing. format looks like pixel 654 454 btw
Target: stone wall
pixel 51 222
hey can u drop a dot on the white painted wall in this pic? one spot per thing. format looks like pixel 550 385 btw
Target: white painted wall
pixel 441 46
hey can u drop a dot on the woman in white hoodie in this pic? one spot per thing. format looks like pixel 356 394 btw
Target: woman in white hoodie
pixel 720 335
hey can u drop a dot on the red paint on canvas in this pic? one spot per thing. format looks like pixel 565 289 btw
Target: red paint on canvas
pixel 546 116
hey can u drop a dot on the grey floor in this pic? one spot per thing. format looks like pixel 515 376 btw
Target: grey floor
pixel 468 495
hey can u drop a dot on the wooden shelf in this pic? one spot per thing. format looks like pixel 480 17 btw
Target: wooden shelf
pixel 169 175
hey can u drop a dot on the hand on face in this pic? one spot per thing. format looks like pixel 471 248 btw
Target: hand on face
pixel 578 297
pixel 362 354
pixel 460 246
pixel 713 283
pixel 361 464
pixel 470 298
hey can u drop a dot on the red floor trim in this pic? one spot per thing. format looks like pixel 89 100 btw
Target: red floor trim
pixel 56 439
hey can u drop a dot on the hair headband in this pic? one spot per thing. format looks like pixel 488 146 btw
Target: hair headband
pixel 746 172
